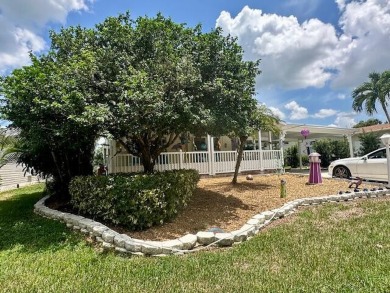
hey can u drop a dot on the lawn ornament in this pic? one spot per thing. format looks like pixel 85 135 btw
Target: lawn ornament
pixel 305 133
pixel 315 169
pixel 283 191
pixel 355 182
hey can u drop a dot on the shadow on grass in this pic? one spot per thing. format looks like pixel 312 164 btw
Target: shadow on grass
pixel 22 229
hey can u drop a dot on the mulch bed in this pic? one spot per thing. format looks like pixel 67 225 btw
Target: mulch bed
pixel 218 203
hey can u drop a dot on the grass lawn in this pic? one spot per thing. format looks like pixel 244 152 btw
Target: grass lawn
pixel 329 248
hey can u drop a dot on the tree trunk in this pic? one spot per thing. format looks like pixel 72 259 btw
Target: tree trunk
pixel 386 112
pixel 147 161
pixel 239 158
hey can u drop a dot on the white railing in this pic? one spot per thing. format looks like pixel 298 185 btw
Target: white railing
pixel 204 162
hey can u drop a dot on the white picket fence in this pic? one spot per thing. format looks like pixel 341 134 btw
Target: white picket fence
pixel 211 163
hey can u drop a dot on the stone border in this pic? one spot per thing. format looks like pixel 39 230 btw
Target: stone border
pixel 123 243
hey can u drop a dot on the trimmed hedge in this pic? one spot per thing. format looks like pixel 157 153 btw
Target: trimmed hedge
pixel 135 201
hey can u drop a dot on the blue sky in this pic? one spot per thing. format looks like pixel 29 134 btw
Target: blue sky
pixel 313 52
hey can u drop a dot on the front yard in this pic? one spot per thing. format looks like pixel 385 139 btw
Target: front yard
pixel 330 248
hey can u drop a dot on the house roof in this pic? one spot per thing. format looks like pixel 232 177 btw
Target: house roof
pixel 293 131
pixel 374 128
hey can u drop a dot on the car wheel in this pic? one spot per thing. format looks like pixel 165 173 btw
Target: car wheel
pixel 341 172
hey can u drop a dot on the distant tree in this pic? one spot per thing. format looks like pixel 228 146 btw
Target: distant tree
pixel 259 117
pixel 8 148
pixel 369 142
pixel 331 149
pixel 369 122
pixel 370 92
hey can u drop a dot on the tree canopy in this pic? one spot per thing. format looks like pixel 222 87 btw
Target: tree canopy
pixel 155 79
pixel 135 80
pixel 368 122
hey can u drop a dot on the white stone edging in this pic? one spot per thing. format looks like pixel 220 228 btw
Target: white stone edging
pixel 123 243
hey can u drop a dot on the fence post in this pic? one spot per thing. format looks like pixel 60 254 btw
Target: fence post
pixel 210 155
pixel 261 152
pixel 181 160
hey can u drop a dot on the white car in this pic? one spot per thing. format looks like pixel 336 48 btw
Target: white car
pixel 372 166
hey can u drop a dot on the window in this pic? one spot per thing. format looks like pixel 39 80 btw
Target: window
pixel 381 154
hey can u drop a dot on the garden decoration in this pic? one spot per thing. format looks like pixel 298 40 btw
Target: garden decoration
pixel 355 182
pixel 315 169
pixel 283 191
pixel 305 133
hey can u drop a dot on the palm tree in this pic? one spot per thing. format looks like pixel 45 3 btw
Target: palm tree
pixel 8 150
pixel 370 92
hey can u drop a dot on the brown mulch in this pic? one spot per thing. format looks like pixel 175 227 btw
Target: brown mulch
pixel 217 203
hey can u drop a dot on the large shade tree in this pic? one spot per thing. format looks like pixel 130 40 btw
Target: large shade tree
pixel 138 80
pixel 155 79
pixel 376 90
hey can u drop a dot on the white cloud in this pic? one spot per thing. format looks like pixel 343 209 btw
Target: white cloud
pixel 293 55
pixel 323 113
pixel 341 4
pixel 344 119
pixel 310 54
pixel 341 96
pixel 365 43
pixel 278 113
pixel 297 112
pixel 22 22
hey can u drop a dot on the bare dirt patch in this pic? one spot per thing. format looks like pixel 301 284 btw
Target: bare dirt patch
pixel 217 203
pixel 353 212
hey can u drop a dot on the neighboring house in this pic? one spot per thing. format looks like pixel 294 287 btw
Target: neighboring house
pixel 210 155
pixel 12 176
pixel 378 129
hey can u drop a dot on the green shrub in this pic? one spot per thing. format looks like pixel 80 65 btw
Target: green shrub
pixel 369 143
pixel 331 150
pixel 305 160
pixel 291 157
pixel 136 201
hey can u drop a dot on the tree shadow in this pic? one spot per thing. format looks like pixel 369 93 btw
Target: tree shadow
pixel 243 186
pixel 205 209
pixel 22 229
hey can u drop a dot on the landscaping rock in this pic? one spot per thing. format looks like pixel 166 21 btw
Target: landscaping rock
pixel 205 238
pixel 254 222
pixel 119 240
pixel 109 236
pixel 151 247
pixel 239 235
pixel 120 250
pixel 97 231
pixel 133 245
pixel 188 241
pixel 224 239
pixel 267 214
pixel 171 246
pixel 107 246
pixel 249 230
pixel 260 218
